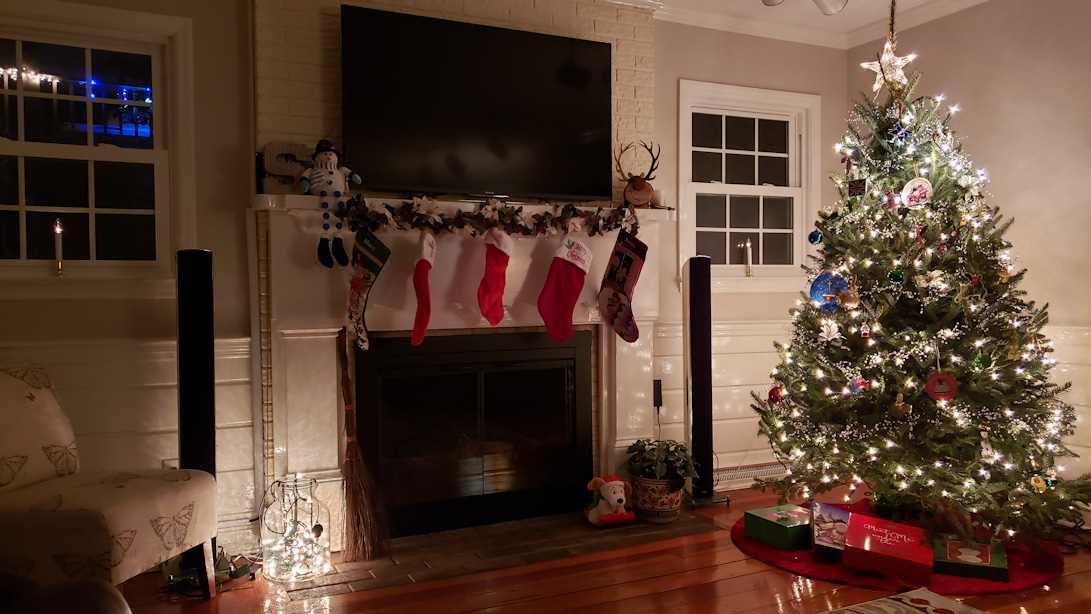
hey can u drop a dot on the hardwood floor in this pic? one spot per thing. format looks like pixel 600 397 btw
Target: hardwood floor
pixel 698 573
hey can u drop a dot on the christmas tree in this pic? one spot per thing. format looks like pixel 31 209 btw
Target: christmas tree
pixel 916 369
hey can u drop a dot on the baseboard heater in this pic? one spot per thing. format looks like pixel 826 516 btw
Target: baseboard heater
pixel 764 470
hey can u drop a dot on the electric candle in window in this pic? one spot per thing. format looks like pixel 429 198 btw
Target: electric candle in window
pixel 749 260
pixel 295 537
pixel 58 232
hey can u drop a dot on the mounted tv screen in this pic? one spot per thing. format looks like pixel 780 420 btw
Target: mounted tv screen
pixel 441 107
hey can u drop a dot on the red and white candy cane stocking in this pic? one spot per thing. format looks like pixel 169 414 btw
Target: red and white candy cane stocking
pixel 427 256
pixel 616 295
pixel 563 286
pixel 490 293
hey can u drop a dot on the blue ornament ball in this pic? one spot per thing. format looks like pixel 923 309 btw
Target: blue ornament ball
pixel 815 237
pixel 825 290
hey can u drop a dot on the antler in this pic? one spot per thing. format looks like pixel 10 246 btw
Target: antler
pixel 621 149
pixel 655 160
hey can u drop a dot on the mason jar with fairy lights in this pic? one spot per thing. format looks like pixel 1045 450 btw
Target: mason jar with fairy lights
pixel 295 538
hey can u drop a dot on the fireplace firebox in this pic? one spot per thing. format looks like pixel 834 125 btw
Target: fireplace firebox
pixel 474 429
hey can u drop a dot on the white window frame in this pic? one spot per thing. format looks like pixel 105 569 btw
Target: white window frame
pixel 121 30
pixel 803 113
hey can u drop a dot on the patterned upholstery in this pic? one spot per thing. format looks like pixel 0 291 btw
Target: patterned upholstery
pixel 108 525
pixel 36 440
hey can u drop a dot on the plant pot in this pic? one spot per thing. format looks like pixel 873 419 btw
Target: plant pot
pixel 657 501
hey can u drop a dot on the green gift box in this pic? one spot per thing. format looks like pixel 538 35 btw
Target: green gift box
pixel 784 527
pixel 978 558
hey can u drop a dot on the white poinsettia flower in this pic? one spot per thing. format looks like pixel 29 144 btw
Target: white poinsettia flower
pixel 932 279
pixel 972 182
pixel 575 224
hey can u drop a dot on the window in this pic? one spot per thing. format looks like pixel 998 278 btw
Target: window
pixel 748 172
pixel 84 148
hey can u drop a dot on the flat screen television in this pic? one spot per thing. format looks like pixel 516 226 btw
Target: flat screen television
pixel 441 107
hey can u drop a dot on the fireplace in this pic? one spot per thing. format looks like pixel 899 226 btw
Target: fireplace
pixel 474 429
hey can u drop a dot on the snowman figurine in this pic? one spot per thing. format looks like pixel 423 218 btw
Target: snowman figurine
pixel 330 181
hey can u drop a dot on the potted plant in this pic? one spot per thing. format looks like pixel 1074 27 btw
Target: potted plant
pixel 659 469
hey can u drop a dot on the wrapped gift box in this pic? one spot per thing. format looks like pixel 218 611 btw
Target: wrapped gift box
pixel 979 558
pixel 889 548
pixel 784 527
pixel 829 527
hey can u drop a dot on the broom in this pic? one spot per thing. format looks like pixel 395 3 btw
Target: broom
pixel 365 527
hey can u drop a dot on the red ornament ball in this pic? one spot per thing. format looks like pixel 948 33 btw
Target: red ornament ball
pixel 941 387
pixel 776 395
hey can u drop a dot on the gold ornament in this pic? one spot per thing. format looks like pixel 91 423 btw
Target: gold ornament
pixel 1013 350
pixel 1003 274
pixel 889 68
pixel 1039 483
pixel 901 408
pixel 850 299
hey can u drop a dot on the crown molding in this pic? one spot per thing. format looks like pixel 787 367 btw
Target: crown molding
pixel 713 14
pixel 908 19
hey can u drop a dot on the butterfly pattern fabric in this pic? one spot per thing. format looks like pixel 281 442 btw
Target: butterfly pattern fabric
pixel 172 529
pixel 120 545
pixel 75 566
pixel 64 458
pixel 34 376
pixel 19 567
pixel 117 479
pixel 49 504
pixel 10 467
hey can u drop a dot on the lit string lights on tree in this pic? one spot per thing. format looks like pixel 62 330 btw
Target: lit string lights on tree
pixel 916 370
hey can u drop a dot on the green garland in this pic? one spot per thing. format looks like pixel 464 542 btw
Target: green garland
pixel 357 215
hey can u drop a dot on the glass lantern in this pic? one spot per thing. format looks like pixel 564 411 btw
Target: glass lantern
pixel 295 537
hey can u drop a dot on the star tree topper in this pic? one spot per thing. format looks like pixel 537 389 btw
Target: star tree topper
pixel 889 67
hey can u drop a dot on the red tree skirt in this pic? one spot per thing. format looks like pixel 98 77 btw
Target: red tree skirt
pixel 1024 569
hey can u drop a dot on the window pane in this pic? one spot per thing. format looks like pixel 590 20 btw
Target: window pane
pixel 64 64
pixel 772 136
pixel 9 235
pixel 707 167
pixel 778 248
pixel 713 245
pixel 739 133
pixel 123 125
pixel 740 169
pixel 9 180
pixel 737 246
pixel 711 211
pixel 9 118
pixel 7 60
pixel 707 130
pixel 124 237
pixel 122 185
pixel 40 236
pixel 121 76
pixel 48 120
pixel 744 212
pixel 54 182
pixel 772 170
pixel 778 212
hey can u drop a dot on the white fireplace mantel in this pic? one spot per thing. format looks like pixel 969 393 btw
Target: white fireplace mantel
pixel 301 305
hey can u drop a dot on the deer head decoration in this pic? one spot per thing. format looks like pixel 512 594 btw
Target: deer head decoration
pixel 638 190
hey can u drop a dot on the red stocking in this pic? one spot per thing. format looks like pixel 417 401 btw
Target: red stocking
pixel 562 287
pixel 490 294
pixel 616 295
pixel 420 285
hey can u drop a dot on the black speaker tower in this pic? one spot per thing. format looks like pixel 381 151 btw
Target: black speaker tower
pixel 196 369
pixel 697 314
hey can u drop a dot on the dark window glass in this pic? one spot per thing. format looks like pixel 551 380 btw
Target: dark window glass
pixel 737 247
pixel 9 235
pixel 772 170
pixel 124 237
pixel 744 212
pixel 121 76
pixel 7 55
pixel 713 245
pixel 777 248
pixel 53 182
pixel 707 130
pixel 711 211
pixel 123 185
pixel 9 118
pixel 772 136
pixel 740 169
pixel 40 236
pixel 707 167
pixel 48 120
pixel 739 133
pixel 65 64
pixel 778 212
pixel 124 125
pixel 9 180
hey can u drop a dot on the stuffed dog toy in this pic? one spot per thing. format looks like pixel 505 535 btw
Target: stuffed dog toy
pixel 611 494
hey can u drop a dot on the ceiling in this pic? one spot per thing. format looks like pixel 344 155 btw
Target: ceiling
pixel 800 21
